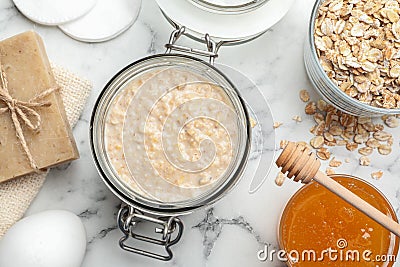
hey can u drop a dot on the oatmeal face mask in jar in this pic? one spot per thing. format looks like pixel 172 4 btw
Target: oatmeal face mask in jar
pixel 172 133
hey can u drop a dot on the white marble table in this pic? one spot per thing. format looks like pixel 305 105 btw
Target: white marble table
pixel 232 232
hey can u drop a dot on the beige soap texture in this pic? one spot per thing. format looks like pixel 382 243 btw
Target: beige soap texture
pixel 28 73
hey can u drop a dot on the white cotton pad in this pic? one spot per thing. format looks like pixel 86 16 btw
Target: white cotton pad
pixel 54 12
pixel 108 19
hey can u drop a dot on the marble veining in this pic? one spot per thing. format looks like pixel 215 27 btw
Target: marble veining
pixel 232 231
pixel 211 227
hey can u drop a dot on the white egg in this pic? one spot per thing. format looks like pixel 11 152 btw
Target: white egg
pixel 54 238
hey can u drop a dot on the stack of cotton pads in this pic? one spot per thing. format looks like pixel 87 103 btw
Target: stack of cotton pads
pixel 87 21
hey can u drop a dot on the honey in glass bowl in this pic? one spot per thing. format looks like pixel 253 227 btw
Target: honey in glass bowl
pixel 318 228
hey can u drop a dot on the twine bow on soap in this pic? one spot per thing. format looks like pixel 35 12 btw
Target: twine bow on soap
pixel 23 112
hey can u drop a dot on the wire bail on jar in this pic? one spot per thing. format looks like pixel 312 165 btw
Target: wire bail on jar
pixel 212 46
pixel 128 217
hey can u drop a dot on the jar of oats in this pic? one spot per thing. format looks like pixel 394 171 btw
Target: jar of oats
pixel 172 133
pixel 352 55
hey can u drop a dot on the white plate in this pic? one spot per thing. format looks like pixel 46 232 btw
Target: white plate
pixel 107 20
pixel 222 26
pixel 54 12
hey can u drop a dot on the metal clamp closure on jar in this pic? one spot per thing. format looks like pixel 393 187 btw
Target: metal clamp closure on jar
pixel 212 46
pixel 128 217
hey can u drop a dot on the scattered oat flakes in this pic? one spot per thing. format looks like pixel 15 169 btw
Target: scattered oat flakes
pixel 335 163
pixel 365 161
pixel 382 136
pixel 348 135
pixel 351 146
pixel 363 120
pixel 369 127
pixel 360 138
pixel 319 118
pixel 384 149
pixel 329 137
pixel 329 171
pixel 280 179
pixel 377 175
pixel 332 143
pixel 277 124
pixel 321 105
pixel 379 127
pixel 390 141
pixel 372 142
pixel 323 153
pixel 317 142
pixel 365 151
pixel 297 118
pixel 310 108
pixel 392 122
pixel 304 95
pixel 335 130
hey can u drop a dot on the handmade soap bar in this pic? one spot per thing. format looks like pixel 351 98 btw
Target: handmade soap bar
pixel 28 74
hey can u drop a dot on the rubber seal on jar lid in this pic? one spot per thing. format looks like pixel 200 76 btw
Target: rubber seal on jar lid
pixel 234 28
pixel 105 21
pixel 50 12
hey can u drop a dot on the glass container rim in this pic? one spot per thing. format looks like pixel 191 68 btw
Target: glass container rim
pixel 347 176
pixel 331 84
pixel 229 9
pixel 136 199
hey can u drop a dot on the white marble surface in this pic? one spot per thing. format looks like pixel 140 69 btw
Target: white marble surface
pixel 231 233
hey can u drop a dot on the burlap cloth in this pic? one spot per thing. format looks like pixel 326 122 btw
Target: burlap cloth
pixel 16 195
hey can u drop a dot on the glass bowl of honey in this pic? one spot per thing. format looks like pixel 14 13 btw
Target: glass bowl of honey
pixel 318 228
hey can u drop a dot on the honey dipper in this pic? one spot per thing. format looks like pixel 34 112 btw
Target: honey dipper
pixel 303 165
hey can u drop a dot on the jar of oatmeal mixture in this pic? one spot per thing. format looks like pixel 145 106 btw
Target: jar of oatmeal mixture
pixel 172 133
pixel 352 55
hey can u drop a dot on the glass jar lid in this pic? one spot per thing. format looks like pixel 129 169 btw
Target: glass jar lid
pixel 232 28
pixel 170 132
